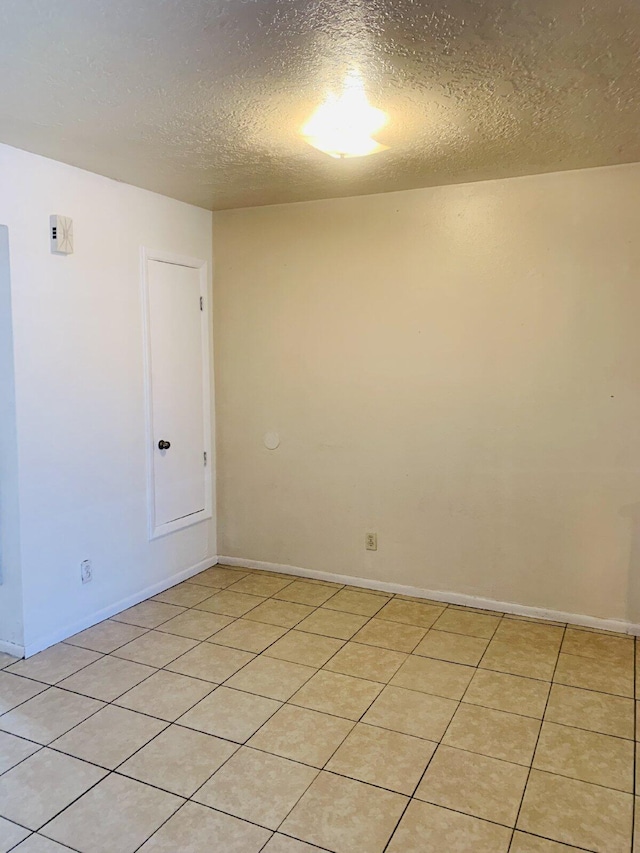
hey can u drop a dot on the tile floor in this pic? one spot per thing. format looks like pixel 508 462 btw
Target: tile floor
pixel 244 711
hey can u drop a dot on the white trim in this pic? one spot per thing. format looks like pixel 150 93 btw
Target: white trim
pixel 98 616
pixel 11 649
pixel 146 255
pixel 618 625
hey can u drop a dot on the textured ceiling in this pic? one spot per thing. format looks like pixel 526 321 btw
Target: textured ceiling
pixel 202 100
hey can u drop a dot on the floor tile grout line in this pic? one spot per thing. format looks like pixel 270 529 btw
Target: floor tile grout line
pixel 553 841
pixel 293 838
pixel 389 648
pixel 334 773
pixel 196 642
pixel 440 743
pixel 112 703
pixel 165 821
pixel 472 704
pixel 292 628
pixel 186 799
pixel 314 768
pixel 422 775
pixel 264 846
pixel 234 619
pixel 22 760
pixel 289 812
pixel 516 764
pixel 417 800
pixel 215 684
pixel 111 772
pixel 169 723
pixel 223 684
pixel 351 639
pixel 239 745
pixel 245 614
pixel 110 619
pixel 484 668
pixel 562 683
pixel 26 838
pixel 321 769
pixel 75 800
pixel 264 695
pixel 114 700
pixel 490 641
pixel 49 744
pixel 235 648
pixel 582 729
pixel 282 704
pixel 24 701
pixel 344 642
pixel 478 666
pixel 190 799
pixel 435 743
pixel 577 779
pixel 101 655
pixel 121 621
pixel 35 832
pixel 535 749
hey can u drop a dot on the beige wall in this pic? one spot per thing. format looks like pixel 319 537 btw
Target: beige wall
pixel 454 368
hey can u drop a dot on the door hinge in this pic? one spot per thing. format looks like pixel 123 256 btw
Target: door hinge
pixel 201 303
pixel 205 457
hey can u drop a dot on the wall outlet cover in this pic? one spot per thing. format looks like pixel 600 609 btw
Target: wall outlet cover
pixel 86 571
pixel 371 542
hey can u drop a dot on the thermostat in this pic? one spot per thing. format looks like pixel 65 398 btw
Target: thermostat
pixel 61 233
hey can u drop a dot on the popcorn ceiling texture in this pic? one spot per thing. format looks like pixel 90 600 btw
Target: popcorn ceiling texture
pixel 202 100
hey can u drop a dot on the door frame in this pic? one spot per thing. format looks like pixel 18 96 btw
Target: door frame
pixel 146 255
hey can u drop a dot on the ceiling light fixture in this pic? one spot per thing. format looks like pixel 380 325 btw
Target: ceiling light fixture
pixel 344 124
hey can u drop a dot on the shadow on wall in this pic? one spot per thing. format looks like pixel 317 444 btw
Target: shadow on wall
pixel 632 512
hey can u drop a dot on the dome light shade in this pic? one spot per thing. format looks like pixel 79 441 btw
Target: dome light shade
pixel 343 126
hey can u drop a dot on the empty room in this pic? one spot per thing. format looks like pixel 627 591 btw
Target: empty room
pixel 319 426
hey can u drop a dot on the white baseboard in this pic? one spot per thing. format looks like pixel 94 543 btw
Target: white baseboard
pixel 117 607
pixel 617 625
pixel 11 649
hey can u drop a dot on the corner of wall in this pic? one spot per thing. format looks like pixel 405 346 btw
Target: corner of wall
pixel 11 611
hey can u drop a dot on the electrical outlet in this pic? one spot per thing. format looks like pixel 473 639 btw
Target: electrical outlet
pixel 86 571
pixel 371 542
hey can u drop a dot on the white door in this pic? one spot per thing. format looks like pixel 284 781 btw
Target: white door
pixel 177 395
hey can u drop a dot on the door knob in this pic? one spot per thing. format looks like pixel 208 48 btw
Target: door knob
pixel 164 445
